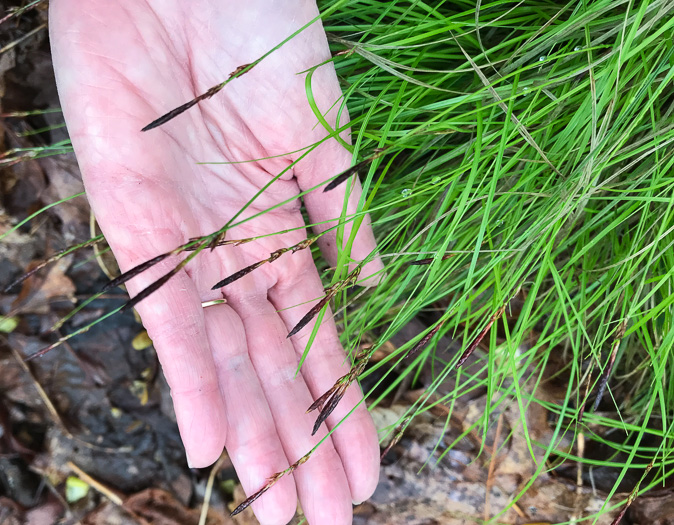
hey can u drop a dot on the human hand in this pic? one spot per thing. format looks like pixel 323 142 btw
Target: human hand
pixel 231 369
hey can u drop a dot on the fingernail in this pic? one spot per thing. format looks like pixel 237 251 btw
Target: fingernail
pixel 356 503
pixel 189 461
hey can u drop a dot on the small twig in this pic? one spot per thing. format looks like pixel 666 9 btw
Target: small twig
pixel 55 416
pixel 97 485
pixel 209 488
pixel 577 505
pixel 41 392
pixel 24 37
pixel 97 251
pixel 492 466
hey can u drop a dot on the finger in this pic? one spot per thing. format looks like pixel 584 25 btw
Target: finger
pixel 326 161
pixel 252 442
pixel 321 482
pixel 174 319
pixel 356 438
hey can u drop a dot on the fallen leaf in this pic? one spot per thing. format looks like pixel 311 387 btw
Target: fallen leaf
pixel 65 180
pixel 39 290
pixel 141 341
pixel 8 324
pixel 76 489
pixel 158 506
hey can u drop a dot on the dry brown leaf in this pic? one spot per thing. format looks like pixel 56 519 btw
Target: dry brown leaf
pixel 65 180
pixel 656 508
pixel 39 290
pixel 160 507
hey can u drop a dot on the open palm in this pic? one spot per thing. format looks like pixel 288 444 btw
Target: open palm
pixel 232 372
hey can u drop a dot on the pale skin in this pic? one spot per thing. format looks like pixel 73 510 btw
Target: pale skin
pixel 232 372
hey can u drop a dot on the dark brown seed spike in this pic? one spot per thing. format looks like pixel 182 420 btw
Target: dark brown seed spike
pixel 181 109
pixel 621 515
pixel 387 450
pixel 347 379
pixel 302 460
pixel 310 315
pixel 238 275
pixel 136 270
pixel 270 483
pixel 421 262
pixel 170 115
pixel 620 332
pixel 600 393
pixel 275 255
pixel 424 340
pixel 303 245
pixel 318 404
pixel 473 345
pixel 429 260
pixel 479 337
pixel 396 438
pixel 151 289
pixel 329 407
pixel 238 70
pixel 216 241
pixel 249 501
pixel 25 276
pixel 346 174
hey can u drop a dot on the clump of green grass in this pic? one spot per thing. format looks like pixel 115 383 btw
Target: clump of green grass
pixel 517 153
pixel 532 142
